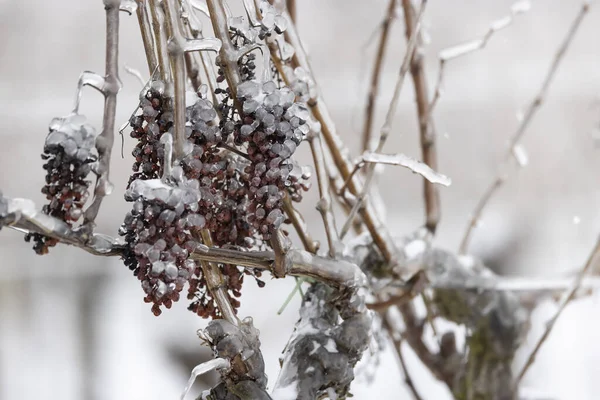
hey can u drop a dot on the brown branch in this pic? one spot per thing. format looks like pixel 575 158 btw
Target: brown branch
pixel 291 9
pixel 22 215
pixel 387 126
pixel 216 283
pixel 427 133
pixel 525 122
pixel 299 225
pixel 160 40
pixel 550 324
pixel 378 66
pixel 324 203
pixel 146 32
pixel 112 85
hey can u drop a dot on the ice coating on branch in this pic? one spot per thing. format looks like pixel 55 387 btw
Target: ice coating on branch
pixel 240 346
pixel 416 166
pixel 520 155
pixel 323 349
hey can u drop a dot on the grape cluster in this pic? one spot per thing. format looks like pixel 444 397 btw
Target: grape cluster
pixel 69 152
pixel 154 119
pixel 160 231
pixel 272 127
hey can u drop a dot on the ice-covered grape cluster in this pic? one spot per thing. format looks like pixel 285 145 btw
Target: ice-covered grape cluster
pixel 160 230
pixel 154 119
pixel 69 152
pixel 272 127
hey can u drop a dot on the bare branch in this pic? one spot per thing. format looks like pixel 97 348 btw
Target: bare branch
pixel 160 40
pixel 146 32
pixel 524 124
pixel 377 67
pixel 550 324
pixel 23 216
pixel 112 85
pixel 299 225
pixel 216 284
pixel 427 135
pixel 387 126
pixel 472 46
pixel 324 204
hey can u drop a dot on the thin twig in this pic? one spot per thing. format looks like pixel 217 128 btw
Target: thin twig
pixel 472 46
pixel 381 235
pixel 160 40
pixel 112 85
pixel 387 126
pixel 377 67
pixel 146 32
pixel 427 135
pixel 299 225
pixel 216 284
pixel 550 324
pixel 324 203
pixel 524 124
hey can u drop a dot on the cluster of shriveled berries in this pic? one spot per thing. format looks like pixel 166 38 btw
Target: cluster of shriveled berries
pixel 69 152
pixel 272 127
pixel 162 229
pixel 148 125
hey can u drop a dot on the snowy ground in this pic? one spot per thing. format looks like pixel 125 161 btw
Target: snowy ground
pixel 75 327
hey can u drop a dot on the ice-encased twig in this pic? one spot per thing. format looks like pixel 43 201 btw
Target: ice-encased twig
pixel 245 379
pixel 324 205
pixel 389 118
pixel 112 85
pixel 146 33
pixel 414 165
pixel 523 125
pixel 471 46
pixel 322 352
pixel 177 46
pixel 201 369
pixel 21 214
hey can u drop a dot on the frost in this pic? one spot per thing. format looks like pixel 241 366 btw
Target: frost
pixel 520 155
pixel 416 166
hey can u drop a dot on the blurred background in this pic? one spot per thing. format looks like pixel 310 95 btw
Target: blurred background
pixel 74 326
